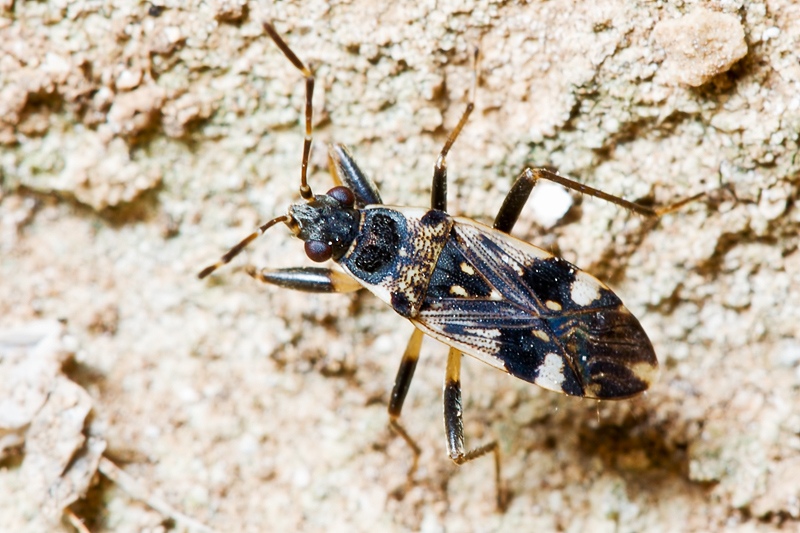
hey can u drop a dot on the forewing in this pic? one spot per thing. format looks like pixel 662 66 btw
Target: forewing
pixel 535 316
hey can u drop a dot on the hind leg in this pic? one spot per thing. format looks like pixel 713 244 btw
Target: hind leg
pixel 518 195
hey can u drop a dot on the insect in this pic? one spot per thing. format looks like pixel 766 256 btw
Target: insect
pixel 473 287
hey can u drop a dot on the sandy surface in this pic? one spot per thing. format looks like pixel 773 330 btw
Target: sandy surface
pixel 140 143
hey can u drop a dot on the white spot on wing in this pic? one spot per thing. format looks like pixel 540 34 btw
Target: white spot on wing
pixel 466 269
pixel 553 306
pixel 550 374
pixel 584 289
pixel 458 290
pixel 541 335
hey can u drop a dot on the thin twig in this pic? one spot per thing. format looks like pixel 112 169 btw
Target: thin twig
pixel 138 492
pixel 76 522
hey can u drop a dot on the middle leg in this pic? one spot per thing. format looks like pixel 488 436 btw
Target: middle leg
pixel 454 426
pixel 401 385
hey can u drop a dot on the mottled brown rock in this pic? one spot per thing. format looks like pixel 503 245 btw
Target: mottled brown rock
pixel 698 46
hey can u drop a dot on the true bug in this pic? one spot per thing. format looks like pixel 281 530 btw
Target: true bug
pixel 473 287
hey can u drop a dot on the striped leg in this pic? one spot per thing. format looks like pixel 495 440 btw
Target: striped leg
pixel 305 190
pixel 454 426
pixel 401 384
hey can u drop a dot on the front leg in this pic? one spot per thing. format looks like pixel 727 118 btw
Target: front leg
pixel 345 171
pixel 454 426
pixel 306 279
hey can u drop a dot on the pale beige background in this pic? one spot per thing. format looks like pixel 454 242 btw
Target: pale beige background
pixel 139 148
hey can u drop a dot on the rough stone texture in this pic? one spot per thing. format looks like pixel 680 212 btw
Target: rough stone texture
pixel 699 46
pixel 140 141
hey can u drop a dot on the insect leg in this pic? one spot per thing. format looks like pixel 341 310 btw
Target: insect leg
pixel 306 279
pixel 439 186
pixel 305 190
pixel 541 173
pixel 401 384
pixel 521 190
pixel 454 425
pixel 345 172
pixel 515 201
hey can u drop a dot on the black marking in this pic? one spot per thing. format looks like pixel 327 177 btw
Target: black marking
pixel 553 279
pixel 547 278
pixel 523 354
pixel 433 218
pixel 401 303
pixel 377 245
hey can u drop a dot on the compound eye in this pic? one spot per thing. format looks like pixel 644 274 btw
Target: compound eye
pixel 318 251
pixel 343 195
